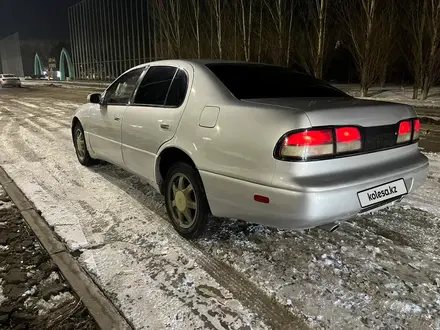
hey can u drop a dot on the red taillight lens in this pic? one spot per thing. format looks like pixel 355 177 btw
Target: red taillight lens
pixel 405 127
pixel 416 130
pixel 405 131
pixel 348 139
pixel 308 144
pixel 347 134
pixel 310 138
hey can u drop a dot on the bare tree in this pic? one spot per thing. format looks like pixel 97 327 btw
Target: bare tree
pixel 362 24
pixel 416 30
pixel 170 22
pixel 432 66
pixel 289 35
pixel 321 9
pixel 211 30
pixel 246 7
pixel 195 26
pixel 260 33
pixel 217 6
pixel 390 39
pixel 276 9
pixel 235 29
pixel 312 41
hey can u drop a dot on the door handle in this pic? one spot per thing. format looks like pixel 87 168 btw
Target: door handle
pixel 117 118
pixel 165 126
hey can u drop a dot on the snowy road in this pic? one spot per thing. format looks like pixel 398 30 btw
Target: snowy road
pixel 378 271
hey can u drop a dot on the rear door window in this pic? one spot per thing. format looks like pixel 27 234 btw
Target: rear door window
pixel 154 88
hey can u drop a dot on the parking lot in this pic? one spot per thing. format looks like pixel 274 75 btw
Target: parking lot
pixel 377 271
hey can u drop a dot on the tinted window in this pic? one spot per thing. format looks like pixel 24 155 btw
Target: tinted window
pixel 251 81
pixel 177 92
pixel 155 85
pixel 121 91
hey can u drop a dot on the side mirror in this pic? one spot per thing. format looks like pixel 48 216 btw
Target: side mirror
pixel 94 98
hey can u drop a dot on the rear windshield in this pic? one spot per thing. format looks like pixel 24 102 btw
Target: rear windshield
pixel 253 81
pixel 8 76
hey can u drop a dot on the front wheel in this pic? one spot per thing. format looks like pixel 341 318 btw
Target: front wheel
pixel 79 141
pixel 185 200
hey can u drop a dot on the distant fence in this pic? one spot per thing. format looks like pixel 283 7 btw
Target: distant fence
pixel 10 54
pixel 109 36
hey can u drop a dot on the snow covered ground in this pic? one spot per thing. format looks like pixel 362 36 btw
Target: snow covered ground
pixel 393 93
pixel 92 85
pixel 378 271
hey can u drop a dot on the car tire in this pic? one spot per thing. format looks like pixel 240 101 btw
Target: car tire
pixel 186 202
pixel 80 144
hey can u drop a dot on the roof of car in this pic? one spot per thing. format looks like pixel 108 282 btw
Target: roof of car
pixel 197 62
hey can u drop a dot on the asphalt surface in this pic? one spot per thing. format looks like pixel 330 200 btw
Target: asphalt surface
pixel 376 271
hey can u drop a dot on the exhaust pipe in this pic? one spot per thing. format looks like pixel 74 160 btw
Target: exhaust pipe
pixel 330 227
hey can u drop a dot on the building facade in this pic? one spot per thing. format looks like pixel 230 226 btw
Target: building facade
pixel 109 36
pixel 10 55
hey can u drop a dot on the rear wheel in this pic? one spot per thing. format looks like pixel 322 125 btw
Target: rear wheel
pixel 79 141
pixel 185 200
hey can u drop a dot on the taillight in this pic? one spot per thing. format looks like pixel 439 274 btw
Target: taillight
pixel 328 142
pixel 405 131
pixel 409 131
pixel 348 139
pixel 307 144
pixel 416 134
pixel 314 143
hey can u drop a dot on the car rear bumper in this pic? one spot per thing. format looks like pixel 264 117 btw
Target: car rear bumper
pixel 306 207
pixel 11 83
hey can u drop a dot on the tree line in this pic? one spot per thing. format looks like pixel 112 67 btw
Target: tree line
pixel 305 33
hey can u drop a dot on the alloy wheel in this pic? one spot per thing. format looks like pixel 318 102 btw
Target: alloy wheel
pixel 183 200
pixel 80 144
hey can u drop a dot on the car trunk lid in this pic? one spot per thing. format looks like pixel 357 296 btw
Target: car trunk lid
pixel 10 78
pixel 344 111
pixel 378 122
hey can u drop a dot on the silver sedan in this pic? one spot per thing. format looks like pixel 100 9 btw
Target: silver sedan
pixel 253 142
pixel 9 80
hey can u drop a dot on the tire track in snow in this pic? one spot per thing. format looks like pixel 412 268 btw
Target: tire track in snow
pixel 7 156
pixel 52 186
pixel 48 134
pixel 4 120
pixel 7 112
pixel 29 105
pixel 61 113
pixel 41 111
pixel 274 314
pixel 52 126
pixel 14 137
pixel 21 111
